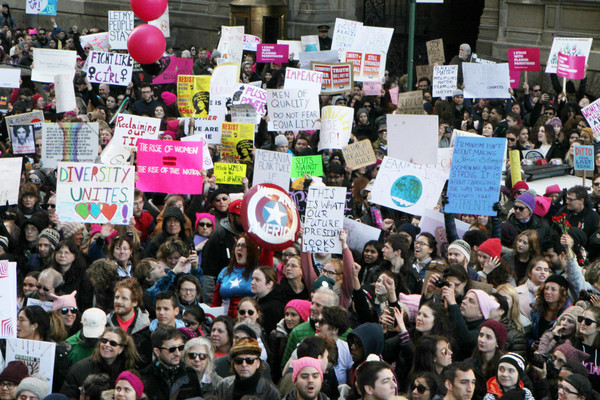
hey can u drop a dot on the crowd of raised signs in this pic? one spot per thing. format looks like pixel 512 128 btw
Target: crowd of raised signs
pixel 184 303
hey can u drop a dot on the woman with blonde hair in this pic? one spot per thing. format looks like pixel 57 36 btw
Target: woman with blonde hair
pixel 516 340
pixel 199 354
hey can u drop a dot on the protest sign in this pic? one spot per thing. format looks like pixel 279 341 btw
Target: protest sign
pixel 435 52
pixel 193 95
pixel 344 33
pixel 372 88
pixel 424 71
pixel 229 173
pixel 41 7
pixel 244 114
pixel 129 128
pixel 372 39
pixel 237 140
pixel 458 133
pixel 302 79
pixel 359 234
pixel 410 102
pixel 50 62
pixel 120 25
pixel 367 65
pixel 292 109
pixel 163 23
pixel 526 59
pixel 69 141
pixel 8 299
pixel 515 79
pixel 444 80
pixel 337 77
pixel 294 48
pixel 37 355
pixel 272 167
pixel 359 154
pixel 115 154
pixel 222 83
pixel 569 46
pixel 475 177
pixel 251 42
pixel 94 193
pixel 310 43
pixel 210 128
pixel 324 220
pixel 488 81
pixel 433 222
pixel 10 78
pixel 591 112
pixel 311 165
pixel 171 68
pixel 110 68
pixel 413 138
pixel 4 96
pixel 231 45
pixel 22 139
pixel 327 56
pixel 206 157
pixel 336 126
pixel 97 41
pixel 570 67
pixel 35 118
pixel 65 93
pixel 277 53
pixel 407 187
pixel 583 158
pixel 255 96
pixel 394 93
pixel 515 166
pixel 169 166
pixel 10 179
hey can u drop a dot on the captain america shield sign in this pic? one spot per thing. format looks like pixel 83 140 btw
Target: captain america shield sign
pixel 270 217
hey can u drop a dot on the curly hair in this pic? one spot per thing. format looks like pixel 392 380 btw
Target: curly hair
pixel 540 302
pixel 129 353
pixel 103 274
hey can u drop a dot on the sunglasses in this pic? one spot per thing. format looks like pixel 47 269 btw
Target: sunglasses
pixel 222 198
pixel 243 312
pixel 596 184
pixel 47 206
pixel 65 310
pixel 173 349
pixel 420 388
pixel 201 356
pixel 111 342
pixel 205 224
pixel 581 319
pixel 44 288
pixel 247 360
pixel 519 208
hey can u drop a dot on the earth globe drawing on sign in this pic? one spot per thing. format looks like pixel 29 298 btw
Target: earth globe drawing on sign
pixel 406 191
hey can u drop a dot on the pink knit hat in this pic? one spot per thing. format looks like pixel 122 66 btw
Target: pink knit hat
pixel 96 228
pixel 487 303
pixel 302 307
pixel 134 381
pixel 168 97
pixel 301 363
pixel 542 205
pixel 199 216
pixel 66 301
pixel 571 353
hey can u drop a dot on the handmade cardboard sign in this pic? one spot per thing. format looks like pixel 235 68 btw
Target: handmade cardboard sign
pixel 163 23
pixel 129 128
pixel 444 80
pixel 411 102
pixel 120 25
pixel 171 67
pixel 359 154
pixel 10 179
pixel 583 158
pixel 69 141
pixel 489 81
pixel 413 138
pixel 360 234
pixel 50 62
pixel 302 79
pixel 336 126
pixel 231 44
pixel 110 68
pixel 292 109
pixel 97 41
pixel 226 173
pixel 272 167
pixel 310 43
pixel 311 165
pixel 435 52
pixel 324 220
pixel 591 112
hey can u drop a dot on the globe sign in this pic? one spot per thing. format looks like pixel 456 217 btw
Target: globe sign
pixel 270 217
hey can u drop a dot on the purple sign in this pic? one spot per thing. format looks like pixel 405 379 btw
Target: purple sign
pixel 278 53
pixel 172 66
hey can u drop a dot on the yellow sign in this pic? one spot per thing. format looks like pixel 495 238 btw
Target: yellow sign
pixel 515 166
pixel 193 94
pixel 229 173
pixel 237 140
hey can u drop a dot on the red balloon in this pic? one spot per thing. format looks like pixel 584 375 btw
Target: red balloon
pixel 146 44
pixel 148 10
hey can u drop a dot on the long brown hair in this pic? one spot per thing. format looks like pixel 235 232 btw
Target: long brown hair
pixel 540 302
pixel 130 353
pixel 252 257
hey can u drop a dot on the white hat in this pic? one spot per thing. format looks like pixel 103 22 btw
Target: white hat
pixel 94 322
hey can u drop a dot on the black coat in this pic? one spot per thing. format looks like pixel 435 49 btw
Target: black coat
pixel 161 383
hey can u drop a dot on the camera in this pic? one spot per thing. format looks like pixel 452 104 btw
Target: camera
pixel 441 282
pixel 586 295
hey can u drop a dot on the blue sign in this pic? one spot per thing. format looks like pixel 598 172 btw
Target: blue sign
pixel 583 158
pixel 41 7
pixel 475 175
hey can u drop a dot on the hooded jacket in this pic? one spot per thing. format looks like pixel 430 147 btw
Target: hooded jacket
pixel 162 237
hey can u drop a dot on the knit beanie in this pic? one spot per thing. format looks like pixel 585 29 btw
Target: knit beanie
pixel 411 229
pixel 66 301
pixel 35 384
pixel 52 235
pixel 499 331
pixel 4 243
pixel 558 279
pixel 518 186
pixel 486 302
pixel 245 346
pixel 246 329
pixel 552 189
pixel 14 372
pixel 515 360
pixel 281 140
pixel 200 216
pixel 172 135
pixel 573 312
pixel 70 228
pixel 301 363
pixel 302 307
pixel 581 384
pixel 491 247
pixel 527 200
pixel 134 381
pixel 542 206
pixel 571 353
pixel 35 98
pixel 168 97
pixel 463 247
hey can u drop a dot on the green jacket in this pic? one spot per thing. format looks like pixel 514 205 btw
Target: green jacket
pixel 79 348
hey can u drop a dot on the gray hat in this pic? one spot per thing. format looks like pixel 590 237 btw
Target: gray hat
pixel 281 140
pixel 215 54
pixel 52 235
pixel 35 384
pixel 461 246
pixel 457 92
pixel 336 98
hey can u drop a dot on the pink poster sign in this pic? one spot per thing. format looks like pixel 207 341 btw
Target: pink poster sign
pixel 515 78
pixel 372 88
pixel 272 53
pixel 524 59
pixel 570 67
pixel 171 67
pixel 169 166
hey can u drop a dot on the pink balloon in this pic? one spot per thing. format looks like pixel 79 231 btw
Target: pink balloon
pixel 146 44
pixel 148 10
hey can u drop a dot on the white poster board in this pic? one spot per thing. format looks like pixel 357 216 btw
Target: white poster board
pixel 50 62
pixel 302 79
pixel 10 78
pixel 294 49
pixel 292 109
pixel 10 179
pixel 8 299
pixel 569 46
pixel 344 32
pixel 488 81
pixel 206 160
pixel 324 220
pixel 110 68
pixel 97 41
pixel 445 78
pixel 413 138
pixel 69 141
pixel 272 167
pixel 65 93
pixel 129 128
pixel 336 126
pixel 120 25
pixel 231 44
pixel 36 354
pixel 359 234
pixel 163 23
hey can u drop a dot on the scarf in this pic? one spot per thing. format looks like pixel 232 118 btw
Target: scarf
pixel 245 386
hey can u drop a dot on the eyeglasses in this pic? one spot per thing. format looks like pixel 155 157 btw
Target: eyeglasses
pixel 201 356
pixel 564 389
pixel 247 360
pixel 572 199
pixel 10 385
pixel 205 224
pixel 173 349
pixel 224 198
pixel 288 265
pixel 328 273
pixel 420 388
pixel 511 139
pixel 519 208
pixel 65 311
pixel 243 312
pixel 581 319
pixel 536 90
pixel 44 288
pixel 241 245
pixel 189 323
pixel 111 342
pixel 289 254
pixel 422 244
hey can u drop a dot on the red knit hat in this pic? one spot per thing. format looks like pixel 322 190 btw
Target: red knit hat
pixel 491 247
pixel 35 98
pixel 499 330
pixel 519 185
